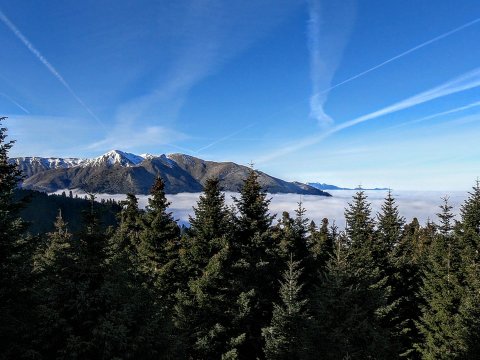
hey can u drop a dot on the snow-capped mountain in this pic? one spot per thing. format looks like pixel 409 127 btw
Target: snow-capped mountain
pixel 121 172
pixel 115 157
pixel 34 164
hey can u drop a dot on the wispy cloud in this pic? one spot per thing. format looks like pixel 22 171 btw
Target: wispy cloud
pixel 127 138
pixel 402 54
pixel 207 35
pixel 15 103
pixel 327 40
pixel 439 114
pixel 48 65
pixel 224 138
pixel 464 82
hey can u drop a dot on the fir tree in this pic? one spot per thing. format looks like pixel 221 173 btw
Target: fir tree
pixel 159 243
pixel 16 248
pixel 386 240
pixel 204 309
pixel 390 228
pixel 254 264
pixel 346 324
pixel 470 210
pixel 286 338
pixel 211 222
pixel 441 323
pixel 469 234
pixel 407 261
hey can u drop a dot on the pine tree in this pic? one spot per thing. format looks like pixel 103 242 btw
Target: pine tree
pixel 286 338
pixel 407 260
pixel 359 224
pixel 468 232
pixel 211 222
pixel 368 270
pixel 440 323
pixel 390 228
pixel 346 324
pixel 470 210
pixel 159 243
pixel 16 298
pixel 204 309
pixel 56 266
pixel 387 239
pixel 254 264
pixel 135 324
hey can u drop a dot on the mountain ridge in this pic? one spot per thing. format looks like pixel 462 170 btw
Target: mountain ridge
pixel 120 172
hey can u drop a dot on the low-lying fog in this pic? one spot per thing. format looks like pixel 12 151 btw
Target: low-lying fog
pixel 421 204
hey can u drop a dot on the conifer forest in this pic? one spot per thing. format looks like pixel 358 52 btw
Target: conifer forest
pixel 238 283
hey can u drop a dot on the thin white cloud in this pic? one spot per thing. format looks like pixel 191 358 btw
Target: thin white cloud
pixel 327 40
pixel 207 35
pixel 439 114
pixel 402 54
pixel 48 65
pixel 464 82
pixel 229 136
pixel 126 138
pixel 15 103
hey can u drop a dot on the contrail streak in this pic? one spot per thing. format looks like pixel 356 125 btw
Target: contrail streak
pixel 464 82
pixel 396 57
pixel 415 48
pixel 429 117
pixel 47 64
pixel 14 102
pixel 224 138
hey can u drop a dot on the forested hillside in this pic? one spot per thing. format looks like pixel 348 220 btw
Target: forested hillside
pixel 40 210
pixel 239 284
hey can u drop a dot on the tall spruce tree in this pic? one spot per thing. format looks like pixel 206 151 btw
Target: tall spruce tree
pixel 204 309
pixel 389 233
pixel 441 323
pixel 159 241
pixel 135 324
pixel 345 324
pixel 16 300
pixel 322 244
pixel 56 266
pixel 71 273
pixel 286 338
pixel 468 232
pixel 368 271
pixel 407 260
pixel 254 263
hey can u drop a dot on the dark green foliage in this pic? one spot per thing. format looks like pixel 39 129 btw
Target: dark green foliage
pixel 42 210
pixel 346 324
pixel 322 243
pixel 255 265
pixel 440 323
pixel 205 308
pixel 15 262
pixel 158 243
pixel 143 288
pixel 286 338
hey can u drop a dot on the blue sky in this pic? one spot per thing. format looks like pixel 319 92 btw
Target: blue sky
pixel 378 93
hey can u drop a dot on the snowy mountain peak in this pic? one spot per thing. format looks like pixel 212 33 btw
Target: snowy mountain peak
pixel 115 157
pixel 49 163
pixel 148 156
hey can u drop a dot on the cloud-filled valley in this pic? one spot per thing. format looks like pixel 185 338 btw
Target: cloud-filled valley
pixel 421 204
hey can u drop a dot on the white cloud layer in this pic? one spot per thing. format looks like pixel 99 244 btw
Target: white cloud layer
pixel 423 205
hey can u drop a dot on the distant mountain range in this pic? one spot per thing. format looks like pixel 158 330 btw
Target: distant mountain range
pixel 118 172
pixel 334 187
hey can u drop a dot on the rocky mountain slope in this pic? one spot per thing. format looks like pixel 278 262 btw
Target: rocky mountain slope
pixel 119 172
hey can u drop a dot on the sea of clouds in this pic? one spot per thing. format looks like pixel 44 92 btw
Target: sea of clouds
pixel 421 204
